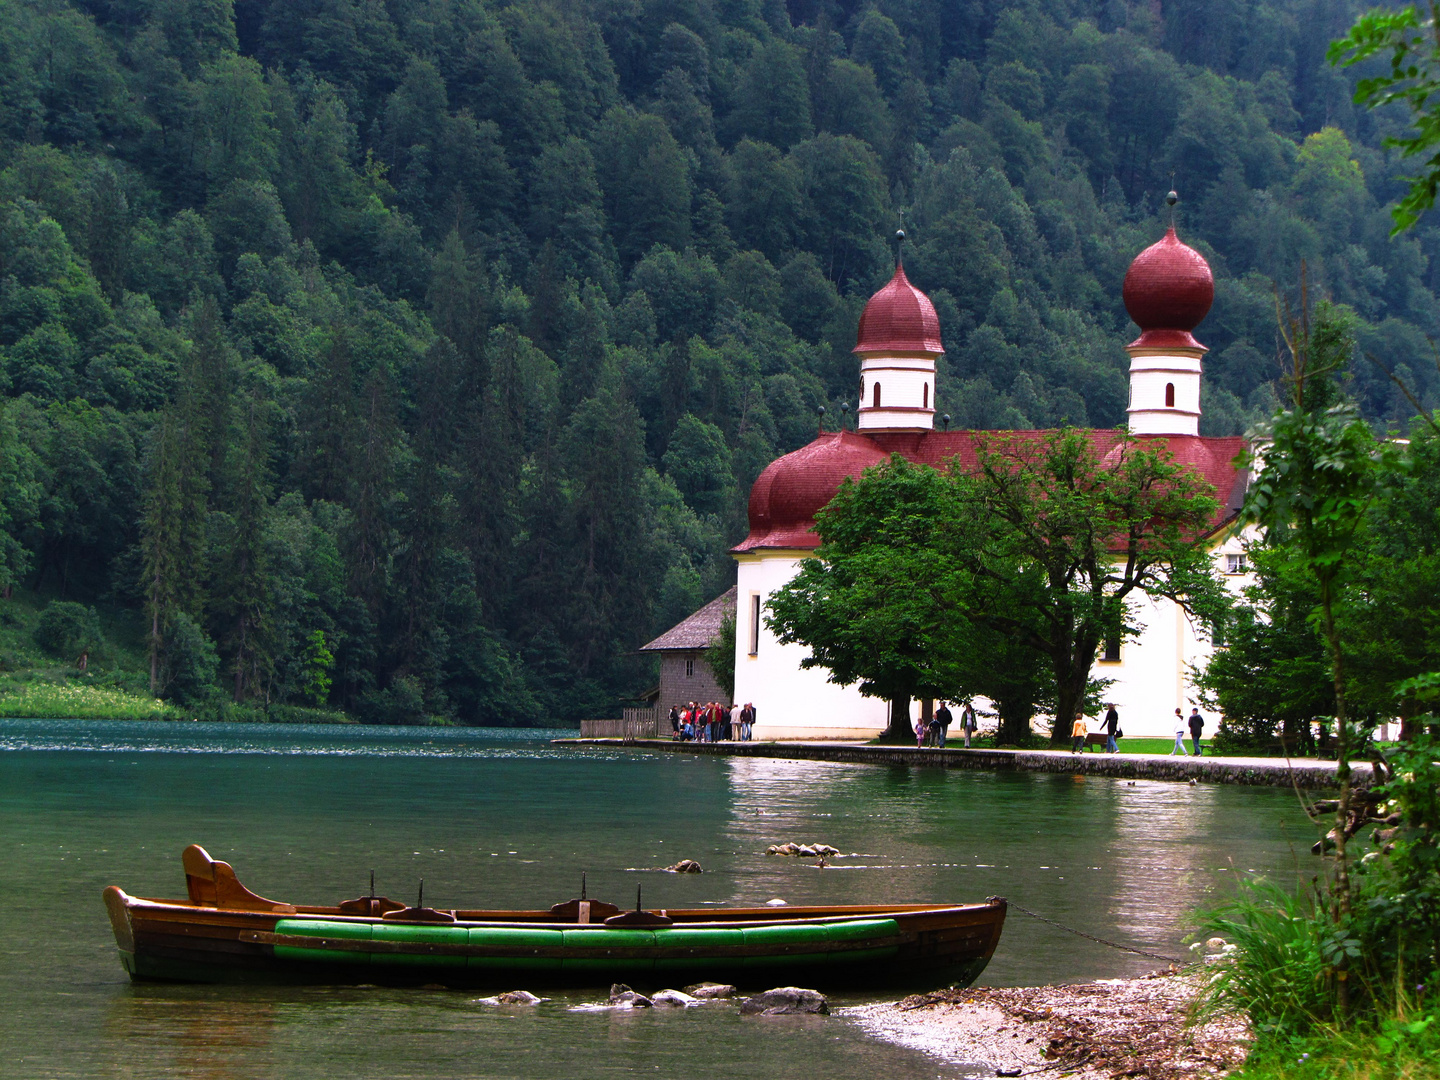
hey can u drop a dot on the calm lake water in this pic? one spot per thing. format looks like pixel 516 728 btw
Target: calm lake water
pixel 501 819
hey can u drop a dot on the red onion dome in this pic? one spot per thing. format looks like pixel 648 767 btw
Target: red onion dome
pixel 899 318
pixel 1168 290
pixel 793 489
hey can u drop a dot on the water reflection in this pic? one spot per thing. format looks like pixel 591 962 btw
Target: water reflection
pixel 1126 861
pixel 205 1039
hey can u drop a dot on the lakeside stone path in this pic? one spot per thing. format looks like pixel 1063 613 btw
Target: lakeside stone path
pixel 1266 772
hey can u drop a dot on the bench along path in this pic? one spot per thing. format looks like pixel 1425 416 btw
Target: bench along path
pixel 1212 770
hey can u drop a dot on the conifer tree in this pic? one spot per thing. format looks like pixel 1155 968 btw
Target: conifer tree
pixel 372 470
pixel 328 412
pixel 172 527
pixel 242 589
pixel 494 446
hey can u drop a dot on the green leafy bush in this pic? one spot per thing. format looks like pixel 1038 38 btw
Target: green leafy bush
pixel 400 704
pixel 190 664
pixel 1397 913
pixel 67 629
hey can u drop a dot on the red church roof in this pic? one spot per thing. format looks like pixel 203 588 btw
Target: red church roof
pixel 899 318
pixel 792 489
pixel 1168 290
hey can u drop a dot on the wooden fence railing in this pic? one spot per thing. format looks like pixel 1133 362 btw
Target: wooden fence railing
pixel 633 724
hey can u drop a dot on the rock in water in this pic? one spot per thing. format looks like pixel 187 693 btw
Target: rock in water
pixel 620 994
pixel 710 991
pixel 518 997
pixel 513 997
pixel 673 997
pixel 784 1000
pixel 776 902
pixel 825 850
pixel 684 866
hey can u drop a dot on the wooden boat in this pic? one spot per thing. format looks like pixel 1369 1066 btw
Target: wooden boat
pixel 223 932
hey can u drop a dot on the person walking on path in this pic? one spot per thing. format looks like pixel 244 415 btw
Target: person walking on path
pixel 1179 746
pixel 1112 728
pixel 967 722
pixel 674 721
pixel 1197 725
pixel 1077 734
pixel 944 719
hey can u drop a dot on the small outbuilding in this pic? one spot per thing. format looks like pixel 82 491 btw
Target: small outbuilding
pixel 684 674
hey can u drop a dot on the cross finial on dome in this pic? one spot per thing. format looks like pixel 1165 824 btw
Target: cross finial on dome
pixel 900 243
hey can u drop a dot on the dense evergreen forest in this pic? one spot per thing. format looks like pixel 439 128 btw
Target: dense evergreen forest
pixel 414 357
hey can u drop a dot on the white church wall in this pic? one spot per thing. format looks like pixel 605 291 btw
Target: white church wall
pixel 790 702
pixel 1153 675
pixel 1151 678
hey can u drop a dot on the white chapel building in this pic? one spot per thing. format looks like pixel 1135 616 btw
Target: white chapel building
pixel 1168 290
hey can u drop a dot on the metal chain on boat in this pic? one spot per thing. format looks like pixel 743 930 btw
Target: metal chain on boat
pixel 1092 937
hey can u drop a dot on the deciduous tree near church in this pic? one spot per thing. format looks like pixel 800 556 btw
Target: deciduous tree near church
pixel 1089 534
pixel 946 584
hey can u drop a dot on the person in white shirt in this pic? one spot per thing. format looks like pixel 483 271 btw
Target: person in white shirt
pixel 1180 730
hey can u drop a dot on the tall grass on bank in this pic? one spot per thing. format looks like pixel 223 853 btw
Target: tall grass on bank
pixel 1346 990
pixel 1282 975
pixel 1279 975
pixel 59 701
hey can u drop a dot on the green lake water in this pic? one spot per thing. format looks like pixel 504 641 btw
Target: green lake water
pixel 502 819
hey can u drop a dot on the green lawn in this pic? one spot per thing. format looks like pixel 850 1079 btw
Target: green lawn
pixel 1157 746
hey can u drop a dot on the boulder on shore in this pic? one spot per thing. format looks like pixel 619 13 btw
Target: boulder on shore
pixel 709 991
pixel 785 1000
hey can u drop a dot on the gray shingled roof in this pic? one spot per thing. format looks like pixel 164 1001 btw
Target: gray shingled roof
pixel 696 631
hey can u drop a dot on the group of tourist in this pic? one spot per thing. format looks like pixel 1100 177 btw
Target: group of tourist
pixel 937 729
pixel 1110 728
pixel 711 722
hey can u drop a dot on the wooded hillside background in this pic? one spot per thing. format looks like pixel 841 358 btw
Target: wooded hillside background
pixel 415 357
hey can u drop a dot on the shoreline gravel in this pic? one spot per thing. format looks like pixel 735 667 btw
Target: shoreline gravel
pixel 1089 1031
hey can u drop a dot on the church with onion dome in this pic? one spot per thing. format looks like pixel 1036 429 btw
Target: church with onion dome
pixel 1168 291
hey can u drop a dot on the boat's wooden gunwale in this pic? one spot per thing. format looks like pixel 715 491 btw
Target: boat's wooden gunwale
pixel 943 915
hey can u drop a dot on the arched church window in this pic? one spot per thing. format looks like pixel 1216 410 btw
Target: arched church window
pixel 926 403
pixel 877 396
pixel 1169 395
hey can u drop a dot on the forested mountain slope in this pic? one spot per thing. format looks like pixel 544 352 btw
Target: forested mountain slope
pixel 415 357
